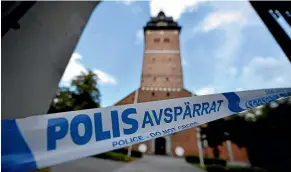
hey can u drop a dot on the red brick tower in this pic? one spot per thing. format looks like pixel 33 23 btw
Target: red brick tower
pixel 162 78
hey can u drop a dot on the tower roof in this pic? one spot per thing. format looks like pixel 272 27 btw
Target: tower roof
pixel 162 22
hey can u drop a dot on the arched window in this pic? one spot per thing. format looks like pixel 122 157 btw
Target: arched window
pixel 156 40
pixel 167 79
pixel 166 40
pixel 155 78
pixel 153 93
pixel 168 94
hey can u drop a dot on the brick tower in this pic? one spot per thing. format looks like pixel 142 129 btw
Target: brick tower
pixel 162 78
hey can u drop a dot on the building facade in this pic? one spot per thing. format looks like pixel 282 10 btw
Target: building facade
pixel 162 78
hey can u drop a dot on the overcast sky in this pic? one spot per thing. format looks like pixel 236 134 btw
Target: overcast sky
pixel 224 47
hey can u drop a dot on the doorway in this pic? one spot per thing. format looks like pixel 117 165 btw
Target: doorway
pixel 160 146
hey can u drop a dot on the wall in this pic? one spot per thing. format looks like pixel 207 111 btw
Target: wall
pixel 162 63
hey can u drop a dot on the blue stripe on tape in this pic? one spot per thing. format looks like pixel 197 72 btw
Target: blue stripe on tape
pixel 233 102
pixel 16 155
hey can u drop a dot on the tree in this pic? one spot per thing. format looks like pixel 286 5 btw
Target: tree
pixel 83 94
pixel 267 138
pixel 63 101
pixel 86 93
pixel 215 135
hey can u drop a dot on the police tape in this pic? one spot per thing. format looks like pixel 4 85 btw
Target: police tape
pixel 42 141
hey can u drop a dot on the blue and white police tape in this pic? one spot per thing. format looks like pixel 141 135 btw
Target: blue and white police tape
pixel 42 141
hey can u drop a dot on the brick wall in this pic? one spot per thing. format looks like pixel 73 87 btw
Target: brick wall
pixel 162 35
pixel 162 61
pixel 239 154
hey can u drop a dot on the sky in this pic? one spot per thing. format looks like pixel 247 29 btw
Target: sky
pixel 224 47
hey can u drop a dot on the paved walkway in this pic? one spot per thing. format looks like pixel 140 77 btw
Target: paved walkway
pixel 88 164
pixel 159 164
pixel 146 164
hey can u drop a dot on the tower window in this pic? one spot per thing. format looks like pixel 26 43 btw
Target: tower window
pixel 155 78
pixel 167 79
pixel 153 93
pixel 154 59
pixel 170 59
pixel 157 40
pixel 166 40
pixel 168 94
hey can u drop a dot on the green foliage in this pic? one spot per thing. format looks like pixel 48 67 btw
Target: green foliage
pixel 134 153
pixel 215 134
pixel 63 101
pixel 219 168
pixel 266 136
pixel 115 156
pixel 215 168
pixel 86 92
pixel 237 127
pixel 267 139
pixel 207 160
pixel 120 155
pixel 83 94
pixel 192 159
pixel 198 165
pixel 42 170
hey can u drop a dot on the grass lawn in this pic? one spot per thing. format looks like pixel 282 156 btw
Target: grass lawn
pixel 198 165
pixel 115 156
pixel 42 170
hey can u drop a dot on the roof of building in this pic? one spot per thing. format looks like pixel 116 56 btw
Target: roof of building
pixel 162 22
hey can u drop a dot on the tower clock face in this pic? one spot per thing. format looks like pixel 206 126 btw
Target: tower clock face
pixel 162 24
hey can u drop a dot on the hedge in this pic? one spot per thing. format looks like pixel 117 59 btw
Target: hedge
pixel 207 160
pixel 219 161
pixel 134 153
pixel 219 168
pixel 215 168
pixel 114 156
pixel 120 155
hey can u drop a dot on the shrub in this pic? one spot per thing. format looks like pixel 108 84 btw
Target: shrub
pixel 114 156
pixel 219 168
pixel 215 168
pixel 192 159
pixel 207 160
pixel 134 153
pixel 120 155
pixel 123 151
pixel 218 161
pixel 244 169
